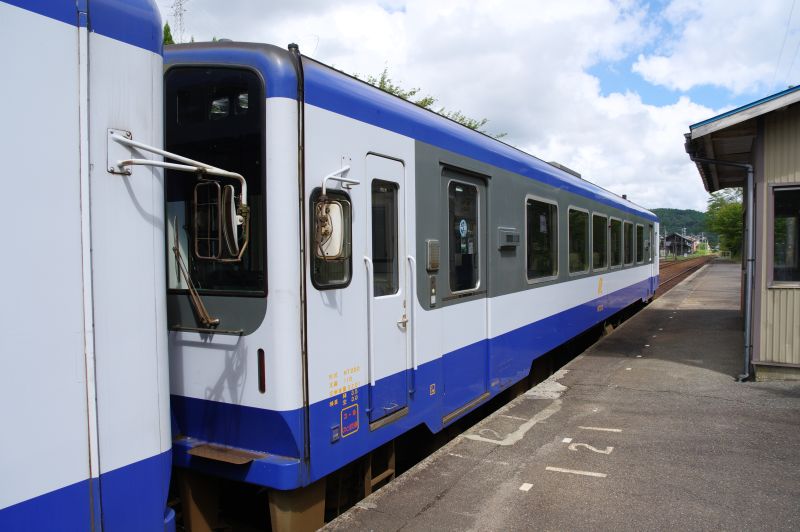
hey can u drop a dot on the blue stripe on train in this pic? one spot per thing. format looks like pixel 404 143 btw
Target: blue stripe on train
pixel 134 498
pixel 336 92
pixel 510 358
pixel 134 22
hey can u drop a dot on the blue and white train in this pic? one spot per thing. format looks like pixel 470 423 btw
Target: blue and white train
pixel 85 440
pixel 342 267
pixel 400 268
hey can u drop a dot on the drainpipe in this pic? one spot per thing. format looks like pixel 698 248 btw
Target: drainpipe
pixel 749 258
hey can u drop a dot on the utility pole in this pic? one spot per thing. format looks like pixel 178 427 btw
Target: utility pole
pixel 178 9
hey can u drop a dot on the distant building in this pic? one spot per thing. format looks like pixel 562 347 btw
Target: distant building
pixel 679 244
pixel 759 143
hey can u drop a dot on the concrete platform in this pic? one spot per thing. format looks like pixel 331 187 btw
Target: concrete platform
pixel 646 430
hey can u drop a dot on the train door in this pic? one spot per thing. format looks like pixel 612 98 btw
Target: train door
pixel 465 332
pixel 386 279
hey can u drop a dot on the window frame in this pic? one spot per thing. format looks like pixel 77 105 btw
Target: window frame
pixel 263 291
pixel 312 197
pixel 588 250
pixel 397 263
pixel 621 243
pixel 533 197
pixel 478 232
pixel 633 243
pixel 636 243
pixel 770 229
pixel 608 242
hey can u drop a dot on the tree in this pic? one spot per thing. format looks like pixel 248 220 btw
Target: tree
pixel 386 84
pixel 724 216
pixel 168 34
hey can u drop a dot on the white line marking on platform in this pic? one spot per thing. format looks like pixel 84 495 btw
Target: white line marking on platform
pixel 525 487
pixel 514 417
pixel 576 472
pixel 566 440
pixel 603 429
pixel 456 455
pixel 647 345
pixel 627 369
pixel 638 356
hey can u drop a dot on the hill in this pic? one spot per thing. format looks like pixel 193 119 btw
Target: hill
pixel 674 220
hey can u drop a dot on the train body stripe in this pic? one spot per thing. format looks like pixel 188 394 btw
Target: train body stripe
pixel 69 508
pixel 335 92
pixel 134 22
pixel 510 357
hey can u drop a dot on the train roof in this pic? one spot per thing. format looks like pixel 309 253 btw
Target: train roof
pixel 336 91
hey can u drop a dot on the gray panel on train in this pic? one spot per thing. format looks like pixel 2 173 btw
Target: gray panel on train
pixel 506 196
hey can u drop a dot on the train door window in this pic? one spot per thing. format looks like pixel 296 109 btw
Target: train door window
pixel 599 241
pixel 639 243
pixel 463 222
pixel 384 238
pixel 541 239
pixel 627 239
pixel 331 241
pixel 648 245
pixel 578 241
pixel 615 241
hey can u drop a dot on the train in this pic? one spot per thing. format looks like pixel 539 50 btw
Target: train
pixel 251 267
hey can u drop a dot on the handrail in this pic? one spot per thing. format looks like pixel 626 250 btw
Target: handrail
pixel 338 175
pixel 412 340
pixel 370 350
pixel 189 165
pixel 411 312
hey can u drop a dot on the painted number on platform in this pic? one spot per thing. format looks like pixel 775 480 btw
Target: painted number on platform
pixel 574 447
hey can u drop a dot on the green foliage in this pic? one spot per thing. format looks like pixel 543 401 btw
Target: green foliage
pixel 168 34
pixel 724 216
pixel 426 101
pixel 674 220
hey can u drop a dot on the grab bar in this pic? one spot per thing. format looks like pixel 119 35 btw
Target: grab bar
pixel 412 315
pixel 370 352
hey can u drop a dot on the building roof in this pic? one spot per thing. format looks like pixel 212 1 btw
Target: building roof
pixel 730 137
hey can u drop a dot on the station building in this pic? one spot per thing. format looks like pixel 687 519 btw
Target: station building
pixel 757 147
pixel 679 244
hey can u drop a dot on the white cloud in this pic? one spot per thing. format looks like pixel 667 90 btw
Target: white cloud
pixel 733 44
pixel 521 64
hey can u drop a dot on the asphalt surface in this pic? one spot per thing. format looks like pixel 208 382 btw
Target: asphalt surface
pixel 646 430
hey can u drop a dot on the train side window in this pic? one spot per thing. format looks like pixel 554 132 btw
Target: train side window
pixel 331 239
pixel 615 240
pixel 628 242
pixel 578 241
pixel 599 241
pixel 639 243
pixel 541 240
pixel 463 221
pixel 648 245
pixel 384 238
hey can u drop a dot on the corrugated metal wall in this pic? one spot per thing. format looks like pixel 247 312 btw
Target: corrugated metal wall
pixel 780 307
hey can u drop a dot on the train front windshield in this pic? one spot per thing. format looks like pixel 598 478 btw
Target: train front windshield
pixel 214 115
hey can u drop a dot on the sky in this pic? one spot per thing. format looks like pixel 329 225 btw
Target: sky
pixel 607 88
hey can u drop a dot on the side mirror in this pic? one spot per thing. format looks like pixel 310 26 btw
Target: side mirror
pixel 220 227
pixel 329 229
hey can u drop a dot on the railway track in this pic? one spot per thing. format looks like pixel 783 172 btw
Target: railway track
pixel 672 273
